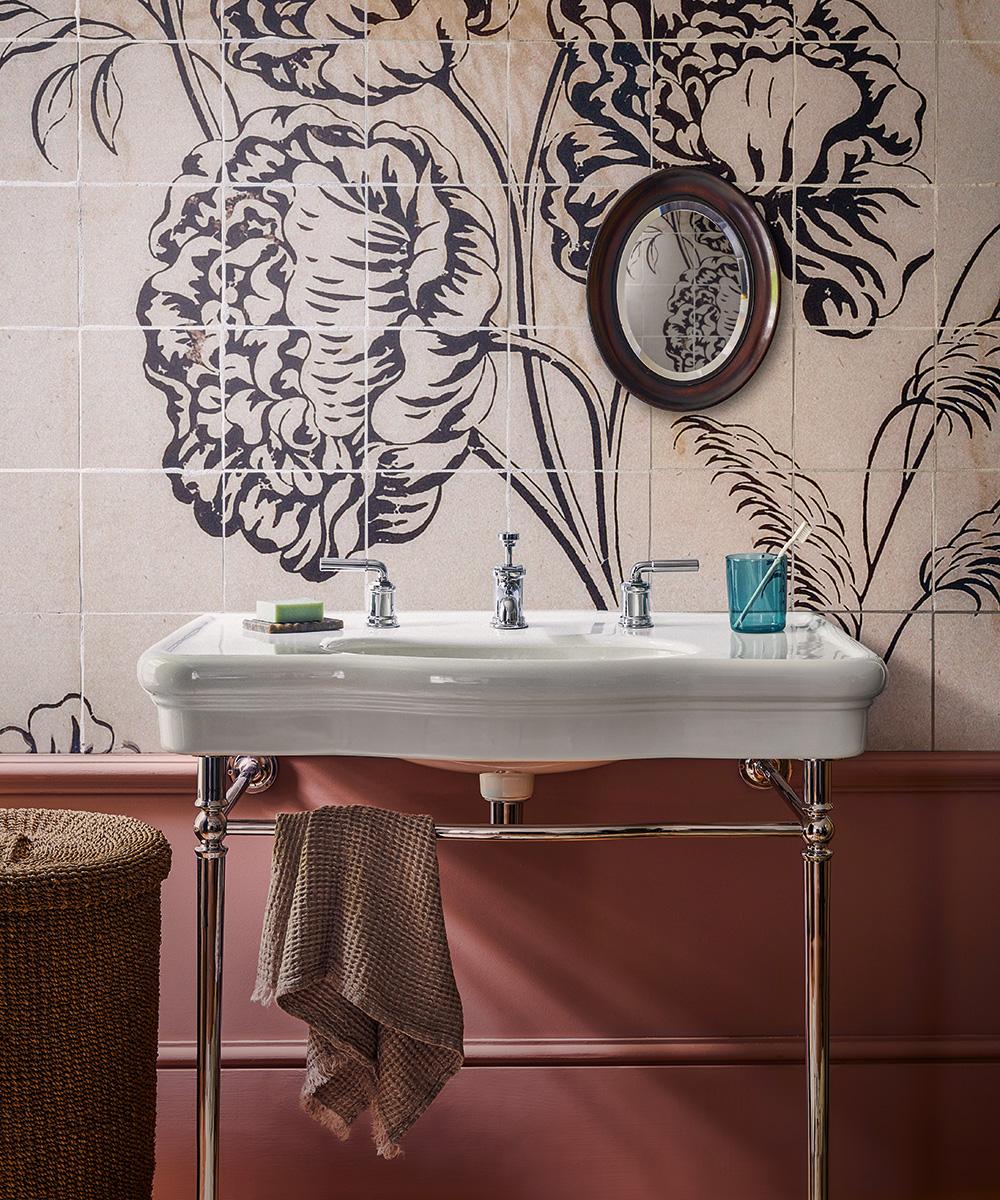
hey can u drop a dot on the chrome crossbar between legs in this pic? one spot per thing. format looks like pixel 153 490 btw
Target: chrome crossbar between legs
pixel 569 833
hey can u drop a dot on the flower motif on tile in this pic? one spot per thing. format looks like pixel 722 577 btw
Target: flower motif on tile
pixel 323 415
pixel 408 43
pixel 56 729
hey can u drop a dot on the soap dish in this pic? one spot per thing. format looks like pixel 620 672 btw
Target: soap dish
pixel 322 626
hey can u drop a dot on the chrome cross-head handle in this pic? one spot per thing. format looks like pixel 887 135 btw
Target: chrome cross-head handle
pixel 381 593
pixel 636 612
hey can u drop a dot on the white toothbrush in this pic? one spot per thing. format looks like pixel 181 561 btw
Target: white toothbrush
pixel 802 533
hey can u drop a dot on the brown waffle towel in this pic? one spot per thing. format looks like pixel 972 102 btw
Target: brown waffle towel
pixel 354 945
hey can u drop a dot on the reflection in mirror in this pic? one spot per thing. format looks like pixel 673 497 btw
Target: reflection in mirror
pixel 683 290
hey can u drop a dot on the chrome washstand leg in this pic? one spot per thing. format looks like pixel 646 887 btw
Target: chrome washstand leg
pixel 812 811
pixel 210 830
pixel 818 830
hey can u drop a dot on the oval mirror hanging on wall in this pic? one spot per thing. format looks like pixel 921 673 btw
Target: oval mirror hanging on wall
pixel 683 289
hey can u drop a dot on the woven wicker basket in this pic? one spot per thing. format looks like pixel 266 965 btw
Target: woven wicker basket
pixel 79 993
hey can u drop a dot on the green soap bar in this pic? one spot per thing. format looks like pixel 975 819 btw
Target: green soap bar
pixel 281 612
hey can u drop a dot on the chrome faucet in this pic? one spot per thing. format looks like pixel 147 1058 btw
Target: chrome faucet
pixel 635 589
pixel 381 593
pixel 508 588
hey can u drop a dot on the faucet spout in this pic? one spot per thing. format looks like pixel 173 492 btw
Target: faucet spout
pixel 508 589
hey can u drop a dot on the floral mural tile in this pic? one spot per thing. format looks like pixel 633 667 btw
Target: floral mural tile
pixel 965 565
pixel 39 257
pixel 967 258
pixel 862 257
pixel 126 424
pixel 962 375
pixel 737 121
pixel 289 517
pixel 739 21
pixel 39 399
pixel 902 717
pixel 904 20
pixel 464 107
pixel 705 514
pixel 873 531
pixel 864 113
pixel 261 75
pixel 550 508
pixel 195 21
pixel 135 88
pixel 566 409
pixel 450 565
pixel 436 257
pixel 968 74
pixel 145 255
pixel 580 113
pixel 967 21
pixel 260 552
pixel 140 551
pixel 42 147
pixel 40 532
pixel 551 242
pixel 869 385
pixel 119 718
pixel 756 421
pixel 966 698
pixel 566 20
pixel 425 20
pixel 40 705
pixel 295 255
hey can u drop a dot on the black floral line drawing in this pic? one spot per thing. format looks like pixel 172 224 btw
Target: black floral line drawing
pixel 324 316
pixel 56 729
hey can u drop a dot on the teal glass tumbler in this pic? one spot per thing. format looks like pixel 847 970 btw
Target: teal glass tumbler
pixel 744 575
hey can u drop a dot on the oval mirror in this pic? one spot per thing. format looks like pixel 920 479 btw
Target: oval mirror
pixel 683 289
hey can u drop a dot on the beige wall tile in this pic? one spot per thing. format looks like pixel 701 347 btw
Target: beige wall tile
pixel 198 21
pixel 39 252
pixel 40 533
pixel 966 697
pixel 39 398
pixel 142 550
pixel 968 75
pixel 966 255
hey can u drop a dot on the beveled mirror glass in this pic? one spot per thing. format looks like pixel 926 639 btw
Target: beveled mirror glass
pixel 683 289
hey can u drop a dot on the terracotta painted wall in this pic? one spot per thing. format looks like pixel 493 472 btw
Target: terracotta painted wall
pixel 283 281
pixel 633 1010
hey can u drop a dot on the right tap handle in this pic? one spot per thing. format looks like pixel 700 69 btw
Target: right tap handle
pixel 636 612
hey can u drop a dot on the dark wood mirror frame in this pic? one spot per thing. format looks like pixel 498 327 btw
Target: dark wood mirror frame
pixel 672 185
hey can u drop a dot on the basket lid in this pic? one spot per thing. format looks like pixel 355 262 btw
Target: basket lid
pixel 57 858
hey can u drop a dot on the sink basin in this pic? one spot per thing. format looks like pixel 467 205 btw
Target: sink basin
pixel 572 689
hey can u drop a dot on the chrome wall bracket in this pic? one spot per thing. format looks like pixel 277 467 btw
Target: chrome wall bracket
pixel 262 770
pixel 752 771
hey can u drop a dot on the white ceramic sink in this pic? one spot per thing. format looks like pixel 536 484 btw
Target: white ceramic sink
pixel 571 689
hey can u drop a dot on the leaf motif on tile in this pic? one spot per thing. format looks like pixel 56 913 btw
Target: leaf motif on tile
pixel 58 729
pixel 775 496
pixel 970 562
pixel 955 389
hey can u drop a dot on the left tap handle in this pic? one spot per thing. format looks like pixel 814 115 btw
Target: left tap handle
pixel 381 593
